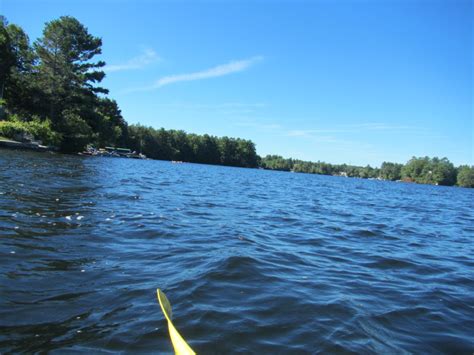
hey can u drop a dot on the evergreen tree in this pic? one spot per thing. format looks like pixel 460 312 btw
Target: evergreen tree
pixel 68 77
pixel 7 60
pixel 21 92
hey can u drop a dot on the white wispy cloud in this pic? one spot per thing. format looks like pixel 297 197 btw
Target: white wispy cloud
pixel 220 70
pixel 214 72
pixel 148 56
pixel 227 109
pixel 213 106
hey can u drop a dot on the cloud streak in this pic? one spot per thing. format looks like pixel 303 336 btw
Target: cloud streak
pixel 229 109
pixel 220 70
pixel 213 106
pixel 148 56
pixel 214 72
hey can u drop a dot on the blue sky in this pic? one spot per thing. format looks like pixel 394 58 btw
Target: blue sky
pixel 359 82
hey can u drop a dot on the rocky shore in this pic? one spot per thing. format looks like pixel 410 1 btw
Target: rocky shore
pixel 11 144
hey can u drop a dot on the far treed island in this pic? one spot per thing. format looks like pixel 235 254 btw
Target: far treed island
pixel 49 91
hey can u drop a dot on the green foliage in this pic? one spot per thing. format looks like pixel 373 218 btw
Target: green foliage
pixel 40 130
pixel 391 171
pixel 444 172
pixel 12 129
pixel 108 123
pixel 66 73
pixel 56 79
pixel 420 170
pixel 7 59
pixel 75 131
pixel 178 145
pixel 276 162
pixel 43 131
pixel 2 109
pixel 430 171
pixel 465 176
pixel 21 81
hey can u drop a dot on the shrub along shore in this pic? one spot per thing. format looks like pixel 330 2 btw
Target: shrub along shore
pixel 50 90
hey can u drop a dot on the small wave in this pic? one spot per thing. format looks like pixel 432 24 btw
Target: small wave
pixel 390 263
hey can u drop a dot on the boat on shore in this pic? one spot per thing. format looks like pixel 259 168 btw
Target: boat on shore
pixel 112 152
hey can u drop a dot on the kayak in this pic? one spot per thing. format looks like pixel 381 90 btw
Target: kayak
pixel 179 344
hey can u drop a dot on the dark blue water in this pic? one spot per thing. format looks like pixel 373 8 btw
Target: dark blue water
pixel 252 261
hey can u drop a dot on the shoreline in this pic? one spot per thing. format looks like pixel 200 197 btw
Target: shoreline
pixel 11 144
pixel 14 145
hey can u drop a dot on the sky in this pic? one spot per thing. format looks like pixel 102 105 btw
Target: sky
pixel 344 81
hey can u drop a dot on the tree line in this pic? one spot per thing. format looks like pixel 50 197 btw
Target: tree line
pixel 51 89
pixel 54 83
pixel 423 170
pixel 179 145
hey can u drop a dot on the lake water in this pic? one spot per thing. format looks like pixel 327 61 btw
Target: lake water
pixel 252 261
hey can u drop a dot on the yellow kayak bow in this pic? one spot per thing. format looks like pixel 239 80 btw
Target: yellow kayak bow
pixel 179 344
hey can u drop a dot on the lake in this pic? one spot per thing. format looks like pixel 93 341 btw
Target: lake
pixel 252 261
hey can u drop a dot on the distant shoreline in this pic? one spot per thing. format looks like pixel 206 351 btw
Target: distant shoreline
pixel 14 145
pixel 62 105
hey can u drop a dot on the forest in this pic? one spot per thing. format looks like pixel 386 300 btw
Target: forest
pixel 50 89
pixel 423 170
